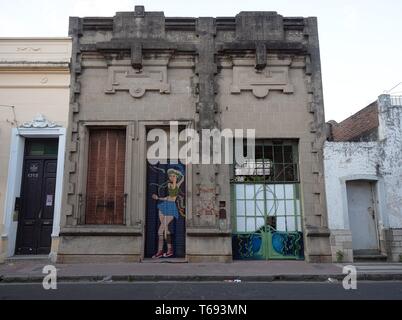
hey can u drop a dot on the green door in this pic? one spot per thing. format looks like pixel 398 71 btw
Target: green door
pixel 266 206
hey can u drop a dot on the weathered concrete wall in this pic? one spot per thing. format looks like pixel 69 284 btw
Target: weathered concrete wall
pixel 256 70
pixel 346 160
pixel 391 157
pixel 34 78
pixel 390 131
pixel 380 162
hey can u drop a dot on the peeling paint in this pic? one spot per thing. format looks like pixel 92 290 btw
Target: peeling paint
pixel 381 160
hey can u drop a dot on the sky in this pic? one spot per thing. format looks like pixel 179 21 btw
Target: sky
pixel 360 40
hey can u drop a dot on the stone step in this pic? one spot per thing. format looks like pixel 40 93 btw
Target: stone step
pixel 369 258
pixel 35 258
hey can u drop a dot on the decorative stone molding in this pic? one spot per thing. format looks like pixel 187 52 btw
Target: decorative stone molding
pixel 39 122
pixel 123 78
pixel 29 49
pixel 261 82
pixel 38 52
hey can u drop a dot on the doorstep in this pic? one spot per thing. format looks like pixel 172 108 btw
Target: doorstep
pixel 164 260
pixel 36 258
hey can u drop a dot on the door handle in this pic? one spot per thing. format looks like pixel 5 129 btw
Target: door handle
pixel 371 212
pixel 40 214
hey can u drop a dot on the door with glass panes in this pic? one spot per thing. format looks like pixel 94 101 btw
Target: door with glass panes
pixel 267 217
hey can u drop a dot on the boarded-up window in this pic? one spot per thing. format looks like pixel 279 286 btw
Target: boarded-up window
pixel 105 181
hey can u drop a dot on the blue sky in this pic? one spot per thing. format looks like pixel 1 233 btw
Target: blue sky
pixel 361 46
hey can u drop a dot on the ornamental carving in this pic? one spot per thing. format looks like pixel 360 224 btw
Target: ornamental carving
pixel 29 49
pixel 39 122
pixel 137 82
pixel 246 78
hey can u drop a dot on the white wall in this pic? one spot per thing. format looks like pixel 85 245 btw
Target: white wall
pixel 346 161
pixel 390 119
pixel 379 161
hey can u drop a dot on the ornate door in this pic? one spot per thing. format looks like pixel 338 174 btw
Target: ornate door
pixel 35 223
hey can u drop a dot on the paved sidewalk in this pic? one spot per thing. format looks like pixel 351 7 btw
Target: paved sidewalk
pixel 31 271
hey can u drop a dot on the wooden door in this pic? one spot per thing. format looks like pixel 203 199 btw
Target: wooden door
pixel 105 200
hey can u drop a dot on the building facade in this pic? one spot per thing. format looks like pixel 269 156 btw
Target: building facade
pixel 363 175
pixel 34 103
pixel 139 71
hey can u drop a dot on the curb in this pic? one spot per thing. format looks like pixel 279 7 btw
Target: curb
pixel 202 278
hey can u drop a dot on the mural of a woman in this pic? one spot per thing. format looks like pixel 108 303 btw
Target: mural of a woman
pixel 169 209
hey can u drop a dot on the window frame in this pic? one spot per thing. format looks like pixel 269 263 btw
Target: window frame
pixel 82 170
pixel 264 183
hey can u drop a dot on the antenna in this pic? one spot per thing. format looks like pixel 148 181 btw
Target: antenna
pixel 388 91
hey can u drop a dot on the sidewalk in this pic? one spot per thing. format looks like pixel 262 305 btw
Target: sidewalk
pixel 20 271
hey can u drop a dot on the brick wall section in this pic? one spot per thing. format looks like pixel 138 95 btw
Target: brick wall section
pixel 362 126
pixel 105 182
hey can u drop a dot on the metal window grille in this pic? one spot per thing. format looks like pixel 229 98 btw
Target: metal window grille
pixel 266 191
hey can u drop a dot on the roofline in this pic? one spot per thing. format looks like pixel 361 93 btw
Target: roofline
pixel 356 113
pixel 34 38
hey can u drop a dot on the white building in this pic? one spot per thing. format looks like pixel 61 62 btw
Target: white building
pixel 363 173
pixel 34 99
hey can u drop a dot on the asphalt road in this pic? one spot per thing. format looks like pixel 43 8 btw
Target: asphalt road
pixel 202 291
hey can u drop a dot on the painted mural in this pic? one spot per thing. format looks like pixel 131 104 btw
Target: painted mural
pixel 165 221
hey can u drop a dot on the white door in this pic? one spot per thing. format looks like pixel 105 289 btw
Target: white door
pixel 362 217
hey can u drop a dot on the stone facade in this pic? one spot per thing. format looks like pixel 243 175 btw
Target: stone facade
pixel 377 161
pixel 137 70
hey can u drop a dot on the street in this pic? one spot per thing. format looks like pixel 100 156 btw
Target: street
pixel 203 291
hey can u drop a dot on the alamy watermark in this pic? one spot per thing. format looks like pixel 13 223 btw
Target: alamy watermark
pixel 350 281
pixel 50 280
pixel 209 146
